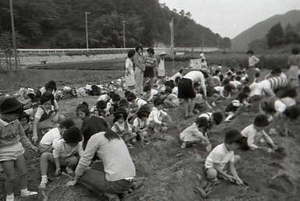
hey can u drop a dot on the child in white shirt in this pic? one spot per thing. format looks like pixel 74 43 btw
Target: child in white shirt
pixel 66 153
pixel 255 133
pixel 54 135
pixel 223 155
pixel 121 125
pixel 140 124
pixel 158 119
pixel 194 134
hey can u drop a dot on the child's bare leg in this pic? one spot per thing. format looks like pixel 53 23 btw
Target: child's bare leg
pixel 186 107
pixel 9 170
pixel 191 107
pixel 21 166
pixel 44 160
pixel 211 174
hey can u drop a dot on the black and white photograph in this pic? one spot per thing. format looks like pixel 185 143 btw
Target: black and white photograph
pixel 149 100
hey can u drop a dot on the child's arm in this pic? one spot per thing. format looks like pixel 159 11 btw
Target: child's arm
pixel 56 154
pixel 200 135
pixel 235 175
pixel 269 140
pixel 24 139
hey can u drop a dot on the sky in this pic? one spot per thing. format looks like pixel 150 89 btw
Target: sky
pixel 231 17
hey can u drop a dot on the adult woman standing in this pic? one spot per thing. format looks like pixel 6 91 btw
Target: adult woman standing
pixel 119 170
pixel 151 65
pixel 139 63
pixel 252 64
pixel 294 64
pixel 129 71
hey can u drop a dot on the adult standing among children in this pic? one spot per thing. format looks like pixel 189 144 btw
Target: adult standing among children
pixel 252 64
pixel 129 71
pixel 139 63
pixel 161 69
pixel 294 64
pixel 187 92
pixel 151 64
pixel 119 169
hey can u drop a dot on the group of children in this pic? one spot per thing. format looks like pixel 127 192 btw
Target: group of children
pixel 137 116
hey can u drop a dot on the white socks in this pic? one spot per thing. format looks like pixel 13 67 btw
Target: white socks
pixel 10 197
pixel 44 181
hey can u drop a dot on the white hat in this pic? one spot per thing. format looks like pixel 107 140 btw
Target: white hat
pixel 162 53
pixel 236 103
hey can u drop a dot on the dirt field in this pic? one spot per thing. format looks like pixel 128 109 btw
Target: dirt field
pixel 171 173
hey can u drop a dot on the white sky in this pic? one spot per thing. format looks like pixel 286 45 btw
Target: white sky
pixel 231 17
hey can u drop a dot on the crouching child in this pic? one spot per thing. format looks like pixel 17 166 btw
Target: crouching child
pixel 222 157
pixel 194 134
pixel 66 154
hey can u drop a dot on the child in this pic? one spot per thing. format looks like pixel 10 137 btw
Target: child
pixel 223 155
pixel 54 135
pixel 232 110
pixel 171 100
pixel 194 134
pixel 149 93
pixel 134 101
pixel 212 119
pixel 140 123
pixel 121 125
pixel 46 110
pixel 12 140
pixel 255 132
pixel 158 119
pixel 66 153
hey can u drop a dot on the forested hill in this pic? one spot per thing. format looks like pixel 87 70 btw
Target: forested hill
pixel 61 24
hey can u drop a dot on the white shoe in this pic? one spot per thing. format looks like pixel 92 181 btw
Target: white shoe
pixel 10 197
pixel 27 193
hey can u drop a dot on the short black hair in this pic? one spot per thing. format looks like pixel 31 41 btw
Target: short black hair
pixel 139 47
pixel 115 97
pixel 257 74
pixel 131 96
pixel 120 113
pixel 24 116
pixel 47 96
pixel 147 87
pixel 232 136
pixel 158 101
pixel 131 53
pixel 246 90
pixel 101 105
pixel 142 113
pixel 291 92
pixel 250 52
pixel 68 123
pixel 261 120
pixel 150 50
pixel 292 112
pixel 295 50
pixel 202 122
pixel 72 135
pixel 267 107
pixel 217 117
pixel 83 107
pixel 276 71
pixel 51 85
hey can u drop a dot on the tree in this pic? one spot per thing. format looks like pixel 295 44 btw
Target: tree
pixel 291 36
pixel 275 36
pixel 258 45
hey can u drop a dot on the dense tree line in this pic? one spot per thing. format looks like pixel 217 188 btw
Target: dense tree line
pixel 278 36
pixel 61 24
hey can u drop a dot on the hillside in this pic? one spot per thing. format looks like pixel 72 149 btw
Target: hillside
pixel 258 31
pixel 61 24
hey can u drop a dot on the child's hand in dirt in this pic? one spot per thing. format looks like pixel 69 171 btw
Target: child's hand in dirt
pixel 239 181
pixel 35 148
pixel 57 172
pixel 71 183
pixel 34 138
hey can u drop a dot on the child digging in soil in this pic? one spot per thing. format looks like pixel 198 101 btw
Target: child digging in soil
pixel 255 132
pixel 159 119
pixel 214 118
pixel 12 139
pixel 194 134
pixel 223 155
pixel 140 124
pixel 54 135
pixel 66 153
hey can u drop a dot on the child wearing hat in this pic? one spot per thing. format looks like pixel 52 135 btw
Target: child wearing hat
pixel 65 153
pixel 194 134
pixel 213 118
pixel 222 157
pixel 12 140
pixel 232 110
pixel 254 133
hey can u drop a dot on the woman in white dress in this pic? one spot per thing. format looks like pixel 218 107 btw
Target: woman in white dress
pixel 129 71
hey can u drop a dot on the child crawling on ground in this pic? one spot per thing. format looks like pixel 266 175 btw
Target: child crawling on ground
pixel 194 134
pixel 222 156
pixel 66 154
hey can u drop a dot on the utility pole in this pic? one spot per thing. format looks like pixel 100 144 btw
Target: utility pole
pixel 13 32
pixel 124 33
pixel 86 31
pixel 202 42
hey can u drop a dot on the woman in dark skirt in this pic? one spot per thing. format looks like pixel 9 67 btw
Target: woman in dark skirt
pixel 150 63
pixel 187 92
